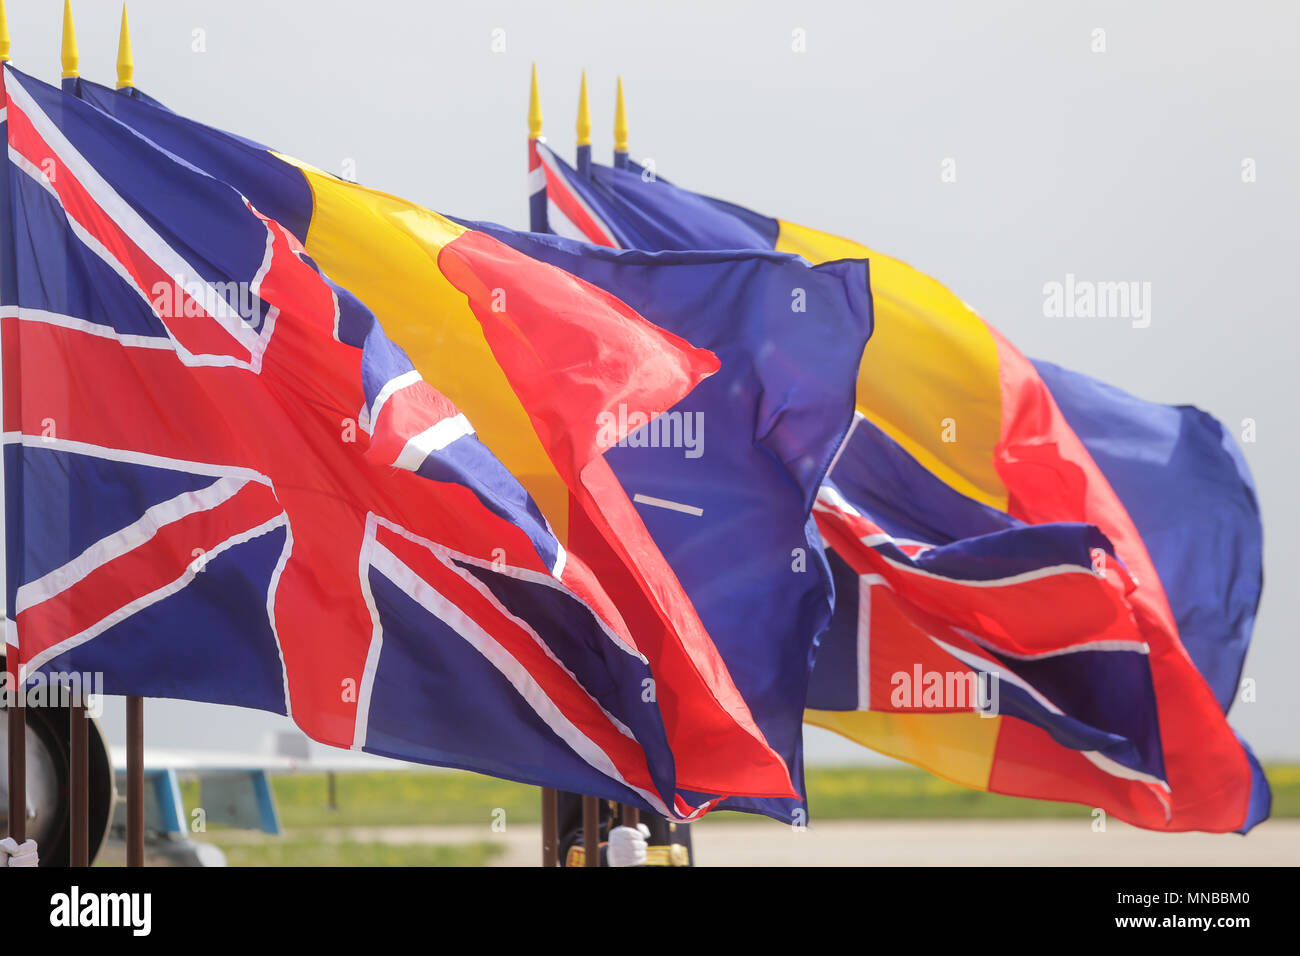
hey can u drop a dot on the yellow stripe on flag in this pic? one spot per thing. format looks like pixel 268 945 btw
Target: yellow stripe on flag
pixel 957 747
pixel 385 251
pixel 929 375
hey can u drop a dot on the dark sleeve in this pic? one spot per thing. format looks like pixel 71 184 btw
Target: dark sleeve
pixel 570 825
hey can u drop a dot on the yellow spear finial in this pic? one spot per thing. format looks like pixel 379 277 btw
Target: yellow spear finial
pixel 4 34
pixel 125 63
pixel 620 121
pixel 534 109
pixel 69 42
pixel 584 114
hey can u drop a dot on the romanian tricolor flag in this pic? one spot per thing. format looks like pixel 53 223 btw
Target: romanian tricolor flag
pixel 980 445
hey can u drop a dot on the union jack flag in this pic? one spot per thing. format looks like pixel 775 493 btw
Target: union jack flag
pixel 1031 622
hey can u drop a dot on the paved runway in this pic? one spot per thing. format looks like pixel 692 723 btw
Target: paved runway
pixel 919 843
pixel 991 843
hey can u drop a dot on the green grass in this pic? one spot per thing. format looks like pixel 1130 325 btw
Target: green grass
pixel 904 793
pixel 298 850
pixel 454 797
pixel 401 798
pixel 1285 781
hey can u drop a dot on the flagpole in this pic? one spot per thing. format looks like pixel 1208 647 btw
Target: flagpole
pixel 135 781
pixel 78 729
pixel 629 815
pixel 125 62
pixel 537 223
pixel 590 805
pixel 536 175
pixel 78 782
pixel 16 744
pixel 550 827
pixel 134 704
pixel 620 129
pixel 69 56
pixel 584 130
pixel 590 831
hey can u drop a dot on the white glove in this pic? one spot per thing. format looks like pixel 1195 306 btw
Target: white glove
pixel 627 846
pixel 13 854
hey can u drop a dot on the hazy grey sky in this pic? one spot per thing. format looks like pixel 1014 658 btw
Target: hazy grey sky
pixel 1117 165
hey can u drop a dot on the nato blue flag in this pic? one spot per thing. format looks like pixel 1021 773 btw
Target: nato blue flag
pixel 726 479
pixel 1208 507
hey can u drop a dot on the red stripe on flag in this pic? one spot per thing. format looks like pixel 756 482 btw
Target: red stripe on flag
pixel 557 190
pixel 407 412
pixel 190 323
pixel 1023 616
pixel 157 562
pixel 555 681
